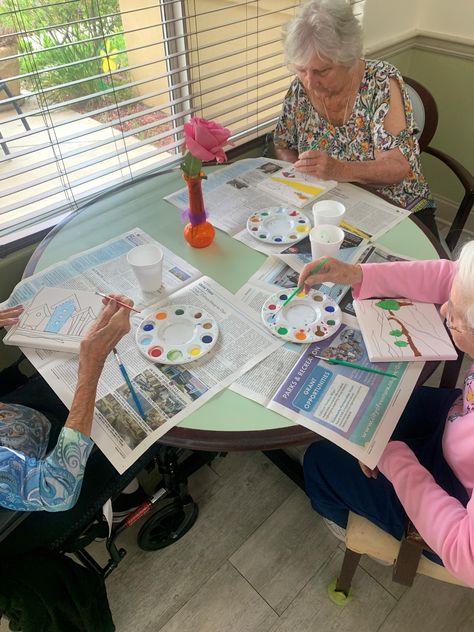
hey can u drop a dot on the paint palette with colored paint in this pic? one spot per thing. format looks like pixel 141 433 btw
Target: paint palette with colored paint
pixel 306 318
pixel 177 334
pixel 278 225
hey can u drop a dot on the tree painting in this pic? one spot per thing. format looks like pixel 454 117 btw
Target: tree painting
pixel 400 333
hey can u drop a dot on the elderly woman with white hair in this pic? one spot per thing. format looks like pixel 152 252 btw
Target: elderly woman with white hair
pixel 427 469
pixel 345 118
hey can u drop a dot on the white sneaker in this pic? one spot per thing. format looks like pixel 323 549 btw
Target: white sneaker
pixel 335 529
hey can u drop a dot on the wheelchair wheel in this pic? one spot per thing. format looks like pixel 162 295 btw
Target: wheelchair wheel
pixel 167 525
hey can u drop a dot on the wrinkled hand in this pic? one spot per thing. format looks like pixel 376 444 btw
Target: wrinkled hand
pixel 333 271
pixel 111 325
pixel 368 472
pixel 10 316
pixel 319 165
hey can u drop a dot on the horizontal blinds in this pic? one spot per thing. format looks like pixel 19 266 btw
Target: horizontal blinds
pixel 96 92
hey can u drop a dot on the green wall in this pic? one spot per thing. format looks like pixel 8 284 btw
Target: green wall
pixel 450 79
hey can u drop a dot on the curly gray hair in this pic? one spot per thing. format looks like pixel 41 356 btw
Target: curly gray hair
pixel 328 27
pixel 465 276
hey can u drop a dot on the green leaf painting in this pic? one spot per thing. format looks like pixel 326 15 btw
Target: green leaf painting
pixel 396 332
pixel 389 304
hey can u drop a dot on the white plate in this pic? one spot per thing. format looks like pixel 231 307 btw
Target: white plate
pixel 278 225
pixel 177 334
pixel 306 318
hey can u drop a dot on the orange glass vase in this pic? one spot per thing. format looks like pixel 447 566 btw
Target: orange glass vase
pixel 199 233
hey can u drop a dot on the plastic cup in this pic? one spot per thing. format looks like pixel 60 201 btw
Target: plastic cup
pixel 328 212
pixel 326 239
pixel 147 264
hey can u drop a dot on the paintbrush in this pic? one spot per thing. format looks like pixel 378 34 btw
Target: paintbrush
pixel 298 289
pixel 353 365
pixel 317 142
pixel 111 298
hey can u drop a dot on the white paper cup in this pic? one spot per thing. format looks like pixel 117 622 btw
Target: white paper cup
pixel 328 212
pixel 326 239
pixel 147 264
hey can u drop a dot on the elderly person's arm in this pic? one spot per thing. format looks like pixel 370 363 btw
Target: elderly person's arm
pixel 442 521
pixel 53 483
pixel 389 166
pixel 426 281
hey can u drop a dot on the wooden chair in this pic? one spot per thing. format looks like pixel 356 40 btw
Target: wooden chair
pixel 426 117
pixel 363 537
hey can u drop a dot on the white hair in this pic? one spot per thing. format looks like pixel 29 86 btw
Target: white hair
pixel 465 277
pixel 328 27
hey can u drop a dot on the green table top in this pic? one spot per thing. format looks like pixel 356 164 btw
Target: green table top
pixel 227 260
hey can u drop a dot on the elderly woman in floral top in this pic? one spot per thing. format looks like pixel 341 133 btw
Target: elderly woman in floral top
pixel 345 118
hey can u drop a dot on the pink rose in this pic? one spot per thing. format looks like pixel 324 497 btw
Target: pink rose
pixel 205 139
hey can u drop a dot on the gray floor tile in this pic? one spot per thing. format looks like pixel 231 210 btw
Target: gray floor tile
pixel 157 584
pixel 285 552
pixel 312 609
pixel 225 602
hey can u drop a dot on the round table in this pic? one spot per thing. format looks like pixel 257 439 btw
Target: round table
pixel 228 421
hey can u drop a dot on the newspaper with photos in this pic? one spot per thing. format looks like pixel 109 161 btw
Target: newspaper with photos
pixel 167 393
pixel 355 409
pixel 233 192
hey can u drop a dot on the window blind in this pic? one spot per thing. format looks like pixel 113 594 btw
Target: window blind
pixel 94 93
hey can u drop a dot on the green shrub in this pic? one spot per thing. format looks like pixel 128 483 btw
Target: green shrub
pixel 64 40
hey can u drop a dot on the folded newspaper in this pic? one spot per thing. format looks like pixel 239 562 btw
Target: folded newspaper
pixel 167 393
pixel 355 409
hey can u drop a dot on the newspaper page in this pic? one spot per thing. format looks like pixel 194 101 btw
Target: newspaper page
pixel 167 393
pixel 235 191
pixel 366 214
pixel 105 269
pixel 261 382
pixel 355 409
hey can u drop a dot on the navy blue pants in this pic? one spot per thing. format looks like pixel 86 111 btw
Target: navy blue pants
pixel 335 483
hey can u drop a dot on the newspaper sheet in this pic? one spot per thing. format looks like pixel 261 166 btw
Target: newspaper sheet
pixel 355 409
pixel 234 192
pixel 167 393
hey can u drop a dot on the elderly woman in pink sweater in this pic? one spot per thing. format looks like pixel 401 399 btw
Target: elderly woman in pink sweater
pixel 426 472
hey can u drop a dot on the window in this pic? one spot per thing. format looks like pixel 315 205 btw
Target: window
pixel 94 93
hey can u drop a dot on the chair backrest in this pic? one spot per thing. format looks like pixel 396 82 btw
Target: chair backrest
pixel 425 111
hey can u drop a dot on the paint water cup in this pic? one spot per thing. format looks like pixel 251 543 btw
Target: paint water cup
pixel 147 264
pixel 328 212
pixel 326 239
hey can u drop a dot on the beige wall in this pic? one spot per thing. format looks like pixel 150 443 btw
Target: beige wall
pixel 149 38
pixel 451 18
pixel 389 21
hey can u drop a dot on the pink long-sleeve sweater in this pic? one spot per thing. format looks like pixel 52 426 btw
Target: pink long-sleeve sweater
pixel 442 521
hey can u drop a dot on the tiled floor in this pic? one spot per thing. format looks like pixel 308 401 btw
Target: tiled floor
pixel 259 559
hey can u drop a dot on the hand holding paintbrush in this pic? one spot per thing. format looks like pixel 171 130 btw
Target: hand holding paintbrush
pixel 317 162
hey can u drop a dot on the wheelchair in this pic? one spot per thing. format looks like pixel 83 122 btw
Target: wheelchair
pixel 172 509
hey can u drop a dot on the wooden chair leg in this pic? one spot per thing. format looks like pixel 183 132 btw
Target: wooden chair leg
pixel 348 569
pixel 404 569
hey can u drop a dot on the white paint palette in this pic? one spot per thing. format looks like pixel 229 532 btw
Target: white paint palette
pixel 306 318
pixel 177 334
pixel 278 225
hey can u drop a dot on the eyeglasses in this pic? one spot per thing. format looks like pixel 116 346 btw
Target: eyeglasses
pixel 451 327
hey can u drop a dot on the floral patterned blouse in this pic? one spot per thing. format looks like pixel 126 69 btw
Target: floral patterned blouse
pixel 30 480
pixel 300 126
